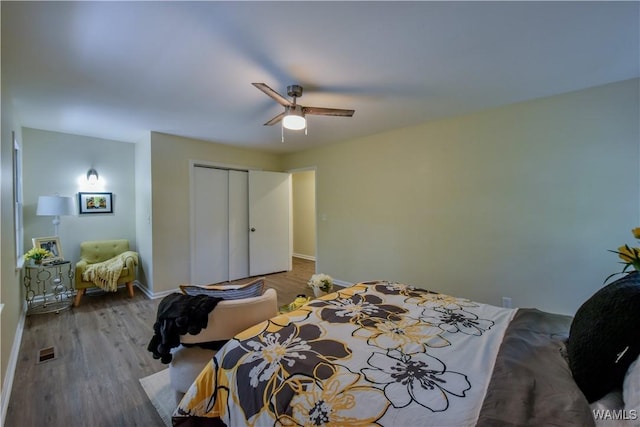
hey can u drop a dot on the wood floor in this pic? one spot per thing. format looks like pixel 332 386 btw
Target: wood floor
pixel 100 355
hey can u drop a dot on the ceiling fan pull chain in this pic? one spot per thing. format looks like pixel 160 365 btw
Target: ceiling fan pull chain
pixel 282 132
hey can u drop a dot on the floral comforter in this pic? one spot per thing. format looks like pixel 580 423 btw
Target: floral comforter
pixel 376 353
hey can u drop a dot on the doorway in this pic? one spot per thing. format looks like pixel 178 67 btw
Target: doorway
pixel 304 214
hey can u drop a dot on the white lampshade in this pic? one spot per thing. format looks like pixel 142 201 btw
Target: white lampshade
pixel 55 206
pixel 294 119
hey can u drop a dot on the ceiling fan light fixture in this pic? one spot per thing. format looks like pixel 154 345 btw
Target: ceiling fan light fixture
pixel 294 118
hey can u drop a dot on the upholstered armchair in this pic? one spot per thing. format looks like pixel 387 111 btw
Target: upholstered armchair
pixel 227 319
pixel 108 263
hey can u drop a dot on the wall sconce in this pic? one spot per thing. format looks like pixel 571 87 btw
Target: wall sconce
pixel 55 206
pixel 92 176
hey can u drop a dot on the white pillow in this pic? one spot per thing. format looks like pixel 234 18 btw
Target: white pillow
pixel 631 390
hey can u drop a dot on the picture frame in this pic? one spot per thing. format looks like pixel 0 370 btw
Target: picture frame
pixel 93 203
pixel 52 244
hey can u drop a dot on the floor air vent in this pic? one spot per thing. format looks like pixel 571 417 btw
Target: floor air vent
pixel 46 354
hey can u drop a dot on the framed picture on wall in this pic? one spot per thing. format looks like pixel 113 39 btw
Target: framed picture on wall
pixel 92 203
pixel 52 244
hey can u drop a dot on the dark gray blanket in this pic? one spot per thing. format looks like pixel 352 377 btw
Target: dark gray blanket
pixel 531 384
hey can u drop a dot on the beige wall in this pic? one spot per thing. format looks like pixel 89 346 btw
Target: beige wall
pixel 144 235
pixel 10 296
pixel 170 178
pixel 522 201
pixel 304 214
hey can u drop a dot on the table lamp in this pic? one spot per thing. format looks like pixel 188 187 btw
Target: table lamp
pixel 55 206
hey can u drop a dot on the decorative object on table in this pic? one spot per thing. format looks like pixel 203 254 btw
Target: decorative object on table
pixel 320 283
pixel 296 303
pixel 630 256
pixel 37 255
pixel 92 203
pixel 51 245
pixel 112 263
pixel 55 206
pixel 48 287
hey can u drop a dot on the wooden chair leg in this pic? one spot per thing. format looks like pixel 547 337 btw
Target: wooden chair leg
pixel 130 287
pixel 76 301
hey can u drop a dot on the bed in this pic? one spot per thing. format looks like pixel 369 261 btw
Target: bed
pixel 389 354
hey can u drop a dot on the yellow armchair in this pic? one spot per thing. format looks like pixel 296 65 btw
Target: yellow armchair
pixel 103 251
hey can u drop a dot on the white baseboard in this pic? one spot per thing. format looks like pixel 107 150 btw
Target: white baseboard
pixel 7 384
pixel 342 283
pixel 141 288
pixel 155 295
pixel 302 256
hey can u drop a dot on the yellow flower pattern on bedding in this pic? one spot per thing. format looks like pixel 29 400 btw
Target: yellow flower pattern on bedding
pixel 406 333
pixel 355 357
pixel 334 401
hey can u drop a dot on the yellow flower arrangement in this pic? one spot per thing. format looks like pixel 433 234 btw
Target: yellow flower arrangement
pixel 629 255
pixel 37 254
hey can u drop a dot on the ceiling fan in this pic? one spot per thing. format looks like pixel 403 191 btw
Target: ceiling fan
pixel 293 116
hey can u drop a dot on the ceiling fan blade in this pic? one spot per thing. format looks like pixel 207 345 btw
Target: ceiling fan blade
pixel 275 120
pixel 319 111
pixel 273 94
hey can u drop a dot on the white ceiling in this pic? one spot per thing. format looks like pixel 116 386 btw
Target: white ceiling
pixel 117 70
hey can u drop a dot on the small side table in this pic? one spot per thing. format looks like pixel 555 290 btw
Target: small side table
pixel 48 287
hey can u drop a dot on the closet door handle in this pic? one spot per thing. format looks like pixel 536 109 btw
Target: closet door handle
pixel 253 229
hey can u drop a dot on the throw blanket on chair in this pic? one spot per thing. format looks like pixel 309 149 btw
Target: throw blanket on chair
pixel 177 315
pixel 105 274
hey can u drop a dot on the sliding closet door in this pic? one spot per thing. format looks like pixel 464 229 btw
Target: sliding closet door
pixel 210 254
pixel 226 205
pixel 238 225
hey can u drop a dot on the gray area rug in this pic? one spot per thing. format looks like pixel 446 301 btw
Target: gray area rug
pixel 160 393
